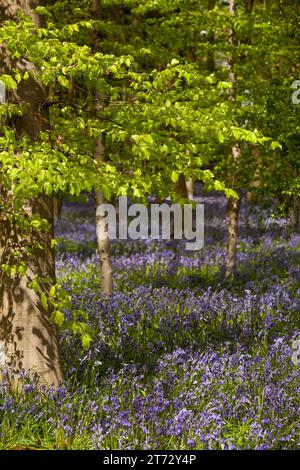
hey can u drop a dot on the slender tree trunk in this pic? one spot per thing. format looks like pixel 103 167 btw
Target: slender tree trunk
pixel 180 187
pixel 233 218
pixel 27 338
pixel 190 188
pixel 256 180
pixel 294 214
pixel 103 241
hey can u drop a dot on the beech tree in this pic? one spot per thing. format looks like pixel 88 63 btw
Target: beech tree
pixel 30 341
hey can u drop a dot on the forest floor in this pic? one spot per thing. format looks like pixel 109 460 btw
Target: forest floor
pixel 181 357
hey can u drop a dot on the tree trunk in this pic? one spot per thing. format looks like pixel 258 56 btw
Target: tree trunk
pixel 181 187
pixel 30 341
pixel 294 214
pixel 103 241
pixel 256 180
pixel 27 338
pixel 233 217
pixel 190 189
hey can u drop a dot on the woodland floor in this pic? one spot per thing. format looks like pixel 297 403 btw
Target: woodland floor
pixel 181 358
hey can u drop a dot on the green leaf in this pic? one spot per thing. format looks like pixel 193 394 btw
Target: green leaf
pixel 218 186
pixel 42 11
pixel 22 270
pixel 35 286
pixel 63 81
pixel 106 191
pixel 221 138
pixel 58 318
pixel 276 145
pixel 174 176
pixel 52 291
pixel 53 243
pixel 9 82
pixel 86 340
pixel 44 301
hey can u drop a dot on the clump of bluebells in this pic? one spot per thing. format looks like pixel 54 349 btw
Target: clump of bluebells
pixel 181 358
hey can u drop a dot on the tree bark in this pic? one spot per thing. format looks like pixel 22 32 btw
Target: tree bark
pixel 181 187
pixel 103 241
pixel 28 340
pixel 190 189
pixel 233 218
pixel 294 214
pixel 256 180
